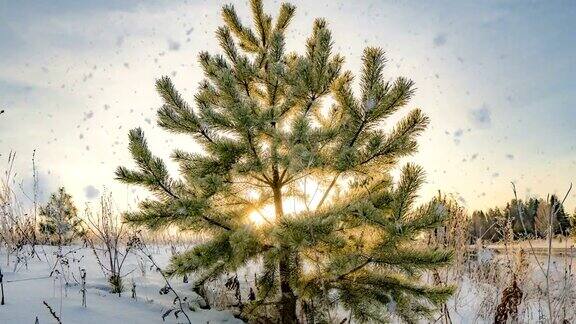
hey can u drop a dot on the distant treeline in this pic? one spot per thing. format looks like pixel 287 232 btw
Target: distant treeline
pixel 524 218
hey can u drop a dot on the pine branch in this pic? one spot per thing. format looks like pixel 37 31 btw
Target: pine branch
pixel 248 40
pixel 284 17
pixel 411 179
pixel 227 43
pixel 400 142
pixel 260 21
pixel 176 115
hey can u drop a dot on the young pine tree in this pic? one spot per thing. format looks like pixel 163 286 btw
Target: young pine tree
pixel 275 127
pixel 60 222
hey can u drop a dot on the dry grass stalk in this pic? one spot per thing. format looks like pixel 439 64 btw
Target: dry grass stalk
pixel 512 295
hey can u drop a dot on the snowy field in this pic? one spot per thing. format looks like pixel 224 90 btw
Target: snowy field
pixel 27 286
pixel 482 279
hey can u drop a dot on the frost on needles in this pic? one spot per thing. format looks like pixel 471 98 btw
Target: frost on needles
pixel 268 122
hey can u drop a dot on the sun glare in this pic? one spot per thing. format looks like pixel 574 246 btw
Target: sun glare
pixel 262 216
pixel 291 205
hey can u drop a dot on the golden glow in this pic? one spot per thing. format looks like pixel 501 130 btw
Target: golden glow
pixel 263 215
pixel 291 205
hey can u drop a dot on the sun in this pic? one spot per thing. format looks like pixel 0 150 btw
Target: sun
pixel 262 216
pixel 292 205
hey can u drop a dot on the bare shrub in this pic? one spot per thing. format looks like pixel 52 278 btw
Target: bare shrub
pixel 17 227
pixel 110 242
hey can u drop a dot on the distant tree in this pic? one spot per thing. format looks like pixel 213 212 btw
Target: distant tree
pixel 543 216
pixel 562 218
pixel 511 213
pixel 268 122
pixel 531 208
pixel 552 209
pixel 60 222
pixel 495 221
pixel 527 218
pixel 522 217
pixel 478 225
pixel 487 226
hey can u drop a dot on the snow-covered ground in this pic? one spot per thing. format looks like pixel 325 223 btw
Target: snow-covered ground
pixel 481 283
pixel 29 285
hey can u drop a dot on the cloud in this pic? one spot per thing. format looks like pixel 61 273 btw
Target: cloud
pixel 173 45
pixel 481 117
pixel 14 87
pixel 439 40
pixel 91 192
pixel 10 40
pixel 119 41
pixel 33 8
pixel 88 115
pixel 457 135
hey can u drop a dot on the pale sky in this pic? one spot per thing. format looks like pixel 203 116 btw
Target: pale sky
pixel 497 78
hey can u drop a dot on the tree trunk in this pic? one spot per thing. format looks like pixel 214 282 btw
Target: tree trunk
pixel 288 298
